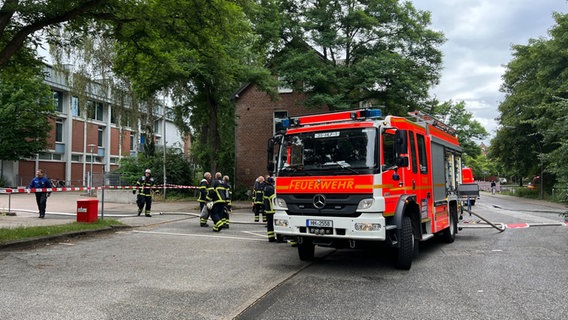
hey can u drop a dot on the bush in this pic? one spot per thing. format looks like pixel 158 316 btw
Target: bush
pixel 527 193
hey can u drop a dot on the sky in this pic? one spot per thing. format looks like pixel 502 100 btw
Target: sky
pixel 479 35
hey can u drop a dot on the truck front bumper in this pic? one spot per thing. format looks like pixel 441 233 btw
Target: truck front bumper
pixel 368 226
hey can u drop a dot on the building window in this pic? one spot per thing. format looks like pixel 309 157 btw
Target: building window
pixel 100 136
pixel 113 115
pixel 76 158
pixel 58 101
pixel 99 111
pixel 132 137
pixel 59 130
pixel 157 127
pixel 95 110
pixel 75 110
pixel 277 120
pixel 126 119
pixel 44 156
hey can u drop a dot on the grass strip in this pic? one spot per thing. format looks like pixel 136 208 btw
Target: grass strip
pixel 19 233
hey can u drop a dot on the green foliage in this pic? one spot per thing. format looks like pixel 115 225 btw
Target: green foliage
pixel 3 183
pixel 533 114
pixel 481 166
pixel 26 24
pixel 200 55
pixel 527 193
pixel 241 193
pixel 376 51
pixel 467 129
pixel 179 171
pixel 26 104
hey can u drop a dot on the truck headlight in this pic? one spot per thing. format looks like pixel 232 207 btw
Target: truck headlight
pixel 367 226
pixel 365 204
pixel 281 223
pixel 279 202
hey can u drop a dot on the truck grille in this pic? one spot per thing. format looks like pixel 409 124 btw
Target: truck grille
pixel 333 205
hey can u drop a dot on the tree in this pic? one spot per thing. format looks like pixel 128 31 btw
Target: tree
pixel 377 51
pixel 201 53
pixel 26 104
pixel 25 24
pixel 531 135
pixel 467 129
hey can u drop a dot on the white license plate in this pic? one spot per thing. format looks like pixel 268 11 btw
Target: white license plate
pixel 319 223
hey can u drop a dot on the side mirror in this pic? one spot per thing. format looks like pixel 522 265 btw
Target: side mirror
pixel 401 142
pixel 402 161
pixel 270 155
pixel 395 175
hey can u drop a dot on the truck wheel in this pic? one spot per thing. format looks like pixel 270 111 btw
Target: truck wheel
pixel 306 250
pixel 449 234
pixel 406 245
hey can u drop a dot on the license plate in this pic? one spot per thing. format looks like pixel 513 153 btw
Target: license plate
pixel 319 223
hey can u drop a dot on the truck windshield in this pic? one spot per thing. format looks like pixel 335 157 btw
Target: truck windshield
pixel 337 152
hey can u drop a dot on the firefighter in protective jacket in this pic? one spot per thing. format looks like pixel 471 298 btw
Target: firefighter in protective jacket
pixel 269 194
pixel 203 199
pixel 228 204
pixel 217 194
pixel 258 195
pixel 144 185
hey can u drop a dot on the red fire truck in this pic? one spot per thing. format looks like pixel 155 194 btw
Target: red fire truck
pixel 352 178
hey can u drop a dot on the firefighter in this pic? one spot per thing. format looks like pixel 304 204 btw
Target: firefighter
pixel 144 185
pixel 258 195
pixel 268 195
pixel 217 194
pixel 203 198
pixel 227 208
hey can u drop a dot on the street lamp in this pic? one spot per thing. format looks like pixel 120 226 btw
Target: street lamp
pixel 91 171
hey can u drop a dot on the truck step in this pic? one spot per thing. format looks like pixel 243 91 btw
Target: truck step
pixel 427 236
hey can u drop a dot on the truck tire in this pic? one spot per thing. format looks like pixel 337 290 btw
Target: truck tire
pixel 406 245
pixel 449 234
pixel 306 250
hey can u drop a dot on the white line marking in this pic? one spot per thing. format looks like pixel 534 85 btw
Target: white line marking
pixel 196 235
pixel 255 234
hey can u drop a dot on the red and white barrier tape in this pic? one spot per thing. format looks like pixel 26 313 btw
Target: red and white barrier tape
pixel 24 190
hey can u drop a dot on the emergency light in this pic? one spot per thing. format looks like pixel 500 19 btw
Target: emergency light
pixel 332 117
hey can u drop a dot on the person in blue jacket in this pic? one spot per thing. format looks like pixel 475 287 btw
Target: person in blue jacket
pixel 40 182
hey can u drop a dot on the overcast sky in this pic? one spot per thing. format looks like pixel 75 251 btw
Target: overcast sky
pixel 479 36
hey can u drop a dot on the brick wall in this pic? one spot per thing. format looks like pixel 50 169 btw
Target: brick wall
pixel 254 126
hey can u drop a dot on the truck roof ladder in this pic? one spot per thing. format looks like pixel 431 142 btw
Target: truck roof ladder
pixel 423 116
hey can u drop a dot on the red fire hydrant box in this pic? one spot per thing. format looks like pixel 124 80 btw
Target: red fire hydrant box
pixel 87 210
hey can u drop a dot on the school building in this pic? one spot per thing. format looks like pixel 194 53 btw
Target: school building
pixel 88 140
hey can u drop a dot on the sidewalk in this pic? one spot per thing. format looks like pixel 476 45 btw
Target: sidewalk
pixel 62 208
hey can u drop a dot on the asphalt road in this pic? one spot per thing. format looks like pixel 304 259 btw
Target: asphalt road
pixel 177 270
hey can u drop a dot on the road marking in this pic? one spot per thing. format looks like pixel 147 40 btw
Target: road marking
pixel 517 225
pixel 197 235
pixel 255 234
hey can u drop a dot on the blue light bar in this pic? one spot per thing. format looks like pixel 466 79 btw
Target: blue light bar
pixel 371 113
pixel 286 123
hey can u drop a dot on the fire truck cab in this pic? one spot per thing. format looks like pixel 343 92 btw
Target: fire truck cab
pixel 352 178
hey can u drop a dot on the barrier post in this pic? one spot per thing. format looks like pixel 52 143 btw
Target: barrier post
pixel 103 201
